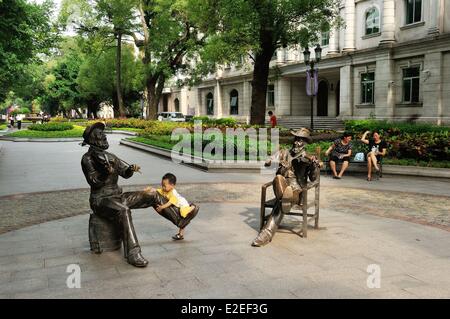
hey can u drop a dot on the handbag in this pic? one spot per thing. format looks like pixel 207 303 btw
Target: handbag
pixel 359 157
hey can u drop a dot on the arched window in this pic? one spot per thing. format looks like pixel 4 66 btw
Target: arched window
pixel 234 102
pixel 372 21
pixel 209 104
pixel 177 105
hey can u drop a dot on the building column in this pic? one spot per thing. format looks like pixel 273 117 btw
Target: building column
pixel 388 26
pixel 385 86
pixel 283 96
pixel 184 101
pixel 333 46
pixel 432 82
pixel 218 105
pixel 435 17
pixel 350 30
pixel 246 100
pixel 346 92
pixel 194 99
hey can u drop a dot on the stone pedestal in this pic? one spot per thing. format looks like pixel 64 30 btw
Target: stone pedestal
pixel 104 234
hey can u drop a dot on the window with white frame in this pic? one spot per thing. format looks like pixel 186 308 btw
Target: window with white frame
pixel 325 39
pixel 372 22
pixel 411 84
pixel 368 88
pixel 413 11
pixel 271 95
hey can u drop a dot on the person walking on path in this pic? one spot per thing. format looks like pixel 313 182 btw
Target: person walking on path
pixel 273 119
pixel 19 121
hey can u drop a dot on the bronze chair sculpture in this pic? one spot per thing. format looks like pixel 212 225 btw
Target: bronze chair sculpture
pixel 290 187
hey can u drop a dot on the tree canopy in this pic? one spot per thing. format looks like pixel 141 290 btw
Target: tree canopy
pixel 26 33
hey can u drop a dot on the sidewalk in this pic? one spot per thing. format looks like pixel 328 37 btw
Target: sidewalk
pixel 217 261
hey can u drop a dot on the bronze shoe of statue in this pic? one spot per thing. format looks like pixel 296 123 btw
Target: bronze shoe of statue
pixel 263 238
pixel 136 259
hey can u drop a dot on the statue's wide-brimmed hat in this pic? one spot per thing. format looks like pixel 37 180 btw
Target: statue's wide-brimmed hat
pixel 303 133
pixel 87 132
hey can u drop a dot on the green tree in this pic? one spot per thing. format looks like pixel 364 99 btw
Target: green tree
pixel 26 32
pixel 257 28
pixel 168 37
pixel 96 80
pixel 107 20
pixel 61 81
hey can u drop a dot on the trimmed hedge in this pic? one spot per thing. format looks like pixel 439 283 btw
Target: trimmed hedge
pixel 77 131
pixel 392 128
pixel 56 126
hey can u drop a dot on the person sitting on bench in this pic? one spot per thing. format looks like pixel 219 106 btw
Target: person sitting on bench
pixel 377 149
pixel 340 150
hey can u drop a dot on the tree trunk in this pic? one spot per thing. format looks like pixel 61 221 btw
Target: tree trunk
pixel 122 112
pixel 154 86
pixel 260 79
pixel 152 104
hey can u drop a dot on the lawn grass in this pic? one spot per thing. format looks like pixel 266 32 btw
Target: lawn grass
pixel 3 127
pixel 77 131
pixel 165 142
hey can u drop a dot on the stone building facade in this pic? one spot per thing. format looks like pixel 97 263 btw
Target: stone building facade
pixel 391 61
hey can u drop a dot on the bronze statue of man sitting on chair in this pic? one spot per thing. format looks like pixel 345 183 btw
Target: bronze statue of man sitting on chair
pixel 295 167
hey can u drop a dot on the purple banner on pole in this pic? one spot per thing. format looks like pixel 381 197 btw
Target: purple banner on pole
pixel 316 82
pixel 308 83
pixel 312 82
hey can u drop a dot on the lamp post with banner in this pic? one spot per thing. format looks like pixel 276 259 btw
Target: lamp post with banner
pixel 312 77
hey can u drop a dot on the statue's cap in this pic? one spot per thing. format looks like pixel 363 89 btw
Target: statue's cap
pixel 87 132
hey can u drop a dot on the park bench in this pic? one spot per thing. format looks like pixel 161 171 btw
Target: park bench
pixel 300 209
pixel 357 147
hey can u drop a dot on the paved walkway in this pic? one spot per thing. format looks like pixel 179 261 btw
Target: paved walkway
pixel 18 211
pixel 216 259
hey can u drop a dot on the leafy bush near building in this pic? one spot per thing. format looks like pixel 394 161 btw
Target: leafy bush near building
pixel 56 126
pixel 226 121
pixel 392 128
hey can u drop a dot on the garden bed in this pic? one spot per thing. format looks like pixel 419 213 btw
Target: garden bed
pixel 75 132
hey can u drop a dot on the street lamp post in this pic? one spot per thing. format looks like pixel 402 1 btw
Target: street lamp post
pixel 312 74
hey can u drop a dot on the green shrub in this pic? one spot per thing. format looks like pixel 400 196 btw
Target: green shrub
pixel 55 126
pixel 226 121
pixel 58 119
pixel 163 128
pixel 391 128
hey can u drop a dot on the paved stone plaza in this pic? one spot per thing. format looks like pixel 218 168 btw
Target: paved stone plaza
pixel 399 223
